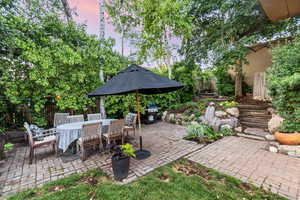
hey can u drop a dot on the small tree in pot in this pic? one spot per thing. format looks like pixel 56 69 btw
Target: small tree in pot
pixel 121 160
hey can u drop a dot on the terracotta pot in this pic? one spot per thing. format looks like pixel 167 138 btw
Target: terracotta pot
pixel 288 138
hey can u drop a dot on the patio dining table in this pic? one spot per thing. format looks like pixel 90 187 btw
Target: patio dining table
pixel 68 133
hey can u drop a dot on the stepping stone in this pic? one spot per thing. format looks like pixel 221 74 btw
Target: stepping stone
pixel 251 137
pixel 256 132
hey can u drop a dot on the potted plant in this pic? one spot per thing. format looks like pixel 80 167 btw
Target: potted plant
pixel 121 160
pixel 288 134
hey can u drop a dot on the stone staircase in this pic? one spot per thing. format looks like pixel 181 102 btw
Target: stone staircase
pixel 254 119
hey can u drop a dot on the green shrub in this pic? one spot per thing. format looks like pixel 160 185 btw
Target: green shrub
pixel 284 84
pixel 196 130
pixel 225 84
pixel 228 104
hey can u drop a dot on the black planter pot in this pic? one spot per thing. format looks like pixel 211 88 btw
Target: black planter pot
pixel 120 167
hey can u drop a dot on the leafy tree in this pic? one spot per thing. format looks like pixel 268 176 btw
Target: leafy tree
pixel 158 21
pixel 46 58
pixel 223 30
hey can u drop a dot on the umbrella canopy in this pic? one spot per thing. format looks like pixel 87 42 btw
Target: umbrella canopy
pixel 136 79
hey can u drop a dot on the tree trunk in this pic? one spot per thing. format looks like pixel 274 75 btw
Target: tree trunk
pixel 238 80
pixel 101 36
pixel 67 10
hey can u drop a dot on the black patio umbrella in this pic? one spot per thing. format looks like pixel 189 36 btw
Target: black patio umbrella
pixel 136 79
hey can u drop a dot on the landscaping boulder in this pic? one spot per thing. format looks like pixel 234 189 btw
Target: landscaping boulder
pixel 164 115
pixel 274 123
pixel 270 137
pixel 220 114
pixel 233 112
pixel 178 116
pixel 171 116
pixel 238 129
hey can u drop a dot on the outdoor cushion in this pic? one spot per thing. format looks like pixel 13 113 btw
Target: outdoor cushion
pixel 46 139
pixel 36 131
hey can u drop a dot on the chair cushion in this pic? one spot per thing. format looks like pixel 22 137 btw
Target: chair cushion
pixel 129 119
pixel 36 131
pixel 46 140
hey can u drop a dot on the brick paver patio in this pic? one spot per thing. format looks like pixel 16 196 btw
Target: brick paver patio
pixel 162 139
pixel 247 160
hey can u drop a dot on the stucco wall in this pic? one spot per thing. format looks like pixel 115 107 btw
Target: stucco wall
pixel 258 61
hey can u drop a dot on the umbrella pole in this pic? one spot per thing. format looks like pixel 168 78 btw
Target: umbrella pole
pixel 138 110
pixel 141 153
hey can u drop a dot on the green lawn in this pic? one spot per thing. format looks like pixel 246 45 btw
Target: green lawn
pixel 180 180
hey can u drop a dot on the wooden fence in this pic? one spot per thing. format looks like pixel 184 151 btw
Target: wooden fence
pixel 260 91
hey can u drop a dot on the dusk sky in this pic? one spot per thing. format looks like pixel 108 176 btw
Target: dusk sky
pixel 88 13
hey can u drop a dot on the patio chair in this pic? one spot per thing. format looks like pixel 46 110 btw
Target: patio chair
pixel 90 136
pixel 115 131
pixel 96 116
pixel 60 118
pixel 48 139
pixel 75 118
pixel 130 123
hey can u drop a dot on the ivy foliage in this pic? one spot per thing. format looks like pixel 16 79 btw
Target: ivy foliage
pixel 284 84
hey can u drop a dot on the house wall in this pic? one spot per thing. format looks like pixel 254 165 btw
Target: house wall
pixel 258 61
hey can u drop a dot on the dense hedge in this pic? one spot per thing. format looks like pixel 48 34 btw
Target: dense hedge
pixel 284 84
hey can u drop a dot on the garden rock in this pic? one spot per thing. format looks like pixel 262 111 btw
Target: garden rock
pixel 273 149
pixel 270 137
pixel 274 123
pixel 220 114
pixel 238 129
pixel 171 116
pixel 164 116
pixel 215 122
pixel 178 116
pixel 233 112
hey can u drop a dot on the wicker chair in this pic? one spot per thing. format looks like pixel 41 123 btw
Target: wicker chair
pixel 130 123
pixel 48 137
pixel 75 118
pixel 115 131
pixel 96 116
pixel 60 118
pixel 90 136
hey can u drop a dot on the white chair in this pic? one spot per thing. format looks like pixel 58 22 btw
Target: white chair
pixel 115 131
pixel 60 118
pixel 90 136
pixel 75 118
pixel 96 116
pixel 48 139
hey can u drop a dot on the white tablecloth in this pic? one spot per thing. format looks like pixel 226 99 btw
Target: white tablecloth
pixel 70 132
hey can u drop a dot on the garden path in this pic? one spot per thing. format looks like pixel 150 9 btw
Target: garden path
pixel 248 160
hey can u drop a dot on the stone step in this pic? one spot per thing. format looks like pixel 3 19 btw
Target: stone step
pixel 251 137
pixel 252 107
pixel 256 112
pixel 254 124
pixel 256 115
pixel 256 132
pixel 254 119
